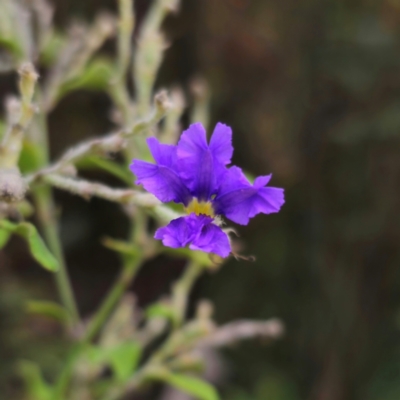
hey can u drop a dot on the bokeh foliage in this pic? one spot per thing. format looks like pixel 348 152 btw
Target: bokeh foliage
pixel 312 91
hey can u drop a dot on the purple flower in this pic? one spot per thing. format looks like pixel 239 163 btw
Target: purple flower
pixel 195 173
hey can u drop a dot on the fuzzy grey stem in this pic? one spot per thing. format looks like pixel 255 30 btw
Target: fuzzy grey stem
pixel 112 143
pixel 241 330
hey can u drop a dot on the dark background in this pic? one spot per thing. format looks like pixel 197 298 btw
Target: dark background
pixel 312 91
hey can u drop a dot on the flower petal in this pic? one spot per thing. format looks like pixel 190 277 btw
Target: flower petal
pixel 221 144
pixel 239 200
pixel 178 233
pixel 196 162
pixel 196 231
pixel 201 165
pixel 161 179
pixel 212 239
pixel 164 154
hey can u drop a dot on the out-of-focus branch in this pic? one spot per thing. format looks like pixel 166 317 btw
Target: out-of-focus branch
pixel 242 330
pixel 109 144
pixel 87 190
pixel 82 44
pixel 201 107
pixel 150 47
pixel 11 145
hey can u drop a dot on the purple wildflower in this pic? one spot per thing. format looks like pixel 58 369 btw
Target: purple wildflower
pixel 195 173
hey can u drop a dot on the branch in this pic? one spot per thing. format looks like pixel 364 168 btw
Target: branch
pixel 87 190
pixel 111 143
pixel 242 330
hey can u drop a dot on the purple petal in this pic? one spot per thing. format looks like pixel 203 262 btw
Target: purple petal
pixel 164 154
pixel 196 231
pixel 178 233
pixel 162 181
pixel 201 165
pixel 196 161
pixel 212 239
pixel 239 200
pixel 221 144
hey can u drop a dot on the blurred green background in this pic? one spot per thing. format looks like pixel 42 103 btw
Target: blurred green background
pixel 312 91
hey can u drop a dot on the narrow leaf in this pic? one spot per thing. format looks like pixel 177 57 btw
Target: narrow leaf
pixel 96 76
pixel 4 236
pixel 36 245
pixel 124 359
pixel 161 310
pixel 120 246
pixel 196 387
pixel 111 167
pixel 36 387
pixel 48 309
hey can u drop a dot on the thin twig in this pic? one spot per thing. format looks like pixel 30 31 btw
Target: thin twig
pixel 111 143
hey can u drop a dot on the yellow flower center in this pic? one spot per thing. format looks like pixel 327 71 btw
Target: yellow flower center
pixel 200 207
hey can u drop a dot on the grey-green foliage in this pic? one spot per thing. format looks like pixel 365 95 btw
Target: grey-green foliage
pixel 120 348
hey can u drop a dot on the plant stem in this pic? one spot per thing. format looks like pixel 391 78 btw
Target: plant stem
pixel 46 215
pixel 129 270
pixel 181 292
pixel 45 207
pixel 182 288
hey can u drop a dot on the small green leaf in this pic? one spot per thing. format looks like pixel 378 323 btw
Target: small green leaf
pixel 161 310
pixel 12 46
pixel 4 236
pixel 3 128
pixel 30 158
pixel 196 387
pixel 52 48
pixel 36 245
pixel 96 76
pixel 36 387
pixel 48 309
pixel 120 246
pixel 111 167
pixel 124 359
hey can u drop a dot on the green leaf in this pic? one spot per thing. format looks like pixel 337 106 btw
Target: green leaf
pixel 3 128
pixel 96 76
pixel 196 387
pixel 36 387
pixel 161 310
pixel 48 309
pixel 36 245
pixel 124 359
pixel 111 167
pixel 52 48
pixel 30 158
pixel 120 246
pixel 12 46
pixel 4 236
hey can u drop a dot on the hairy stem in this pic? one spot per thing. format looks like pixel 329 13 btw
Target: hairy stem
pixel 46 215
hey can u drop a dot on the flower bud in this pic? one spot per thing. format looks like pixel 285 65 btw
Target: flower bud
pixel 162 101
pixel 28 78
pixel 12 185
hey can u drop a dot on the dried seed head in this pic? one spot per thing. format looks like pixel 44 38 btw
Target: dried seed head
pixel 12 186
